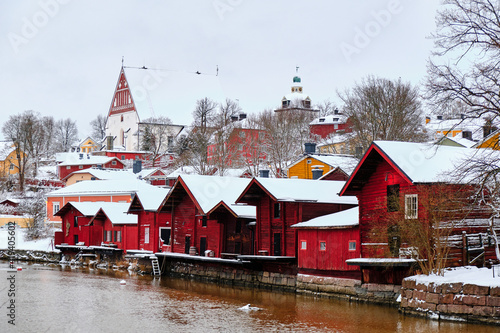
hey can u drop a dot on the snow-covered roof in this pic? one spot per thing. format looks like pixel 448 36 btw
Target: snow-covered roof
pixel 152 199
pixel 117 213
pixel 345 218
pixel 306 190
pixel 183 170
pixel 473 125
pixel 458 141
pixel 86 208
pixel 103 187
pixel 235 172
pixel 296 96
pixel 329 120
pixel 427 163
pixel 345 162
pixel 145 173
pixel 210 191
pixel 85 159
pixel 107 174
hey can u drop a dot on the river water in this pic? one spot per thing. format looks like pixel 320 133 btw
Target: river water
pixel 65 299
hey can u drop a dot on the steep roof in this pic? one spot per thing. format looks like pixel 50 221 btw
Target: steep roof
pixel 86 208
pixel 116 212
pixel 345 218
pixel 329 120
pixel 149 200
pixel 209 192
pixel 6 147
pixel 297 190
pixel 416 162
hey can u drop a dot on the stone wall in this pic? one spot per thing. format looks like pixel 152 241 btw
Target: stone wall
pixel 453 301
pixel 232 275
pixel 30 255
pixel 349 289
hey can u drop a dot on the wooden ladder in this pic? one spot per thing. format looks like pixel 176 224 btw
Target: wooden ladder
pixel 156 266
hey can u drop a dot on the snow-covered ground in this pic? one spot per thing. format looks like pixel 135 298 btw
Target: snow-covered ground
pixel 45 244
pixel 466 275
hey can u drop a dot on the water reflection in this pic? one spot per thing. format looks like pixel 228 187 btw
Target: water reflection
pixel 66 299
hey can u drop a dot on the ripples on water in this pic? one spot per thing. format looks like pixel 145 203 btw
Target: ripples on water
pixel 55 299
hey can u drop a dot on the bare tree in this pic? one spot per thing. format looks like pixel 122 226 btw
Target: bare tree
pixel 199 137
pixel 98 127
pixel 21 130
pixel 381 109
pixel 468 34
pixel 34 211
pixel 156 136
pixel 65 134
pixel 326 108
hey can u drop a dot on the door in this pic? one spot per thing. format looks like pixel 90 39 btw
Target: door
pixel 75 239
pixel 187 244
pixel 164 236
pixel 277 244
pixel 203 245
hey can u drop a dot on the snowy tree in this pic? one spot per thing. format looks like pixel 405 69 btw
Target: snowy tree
pixel 381 109
pixel 34 211
pixel 465 63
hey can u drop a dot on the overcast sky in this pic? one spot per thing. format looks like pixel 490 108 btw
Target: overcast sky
pixel 63 57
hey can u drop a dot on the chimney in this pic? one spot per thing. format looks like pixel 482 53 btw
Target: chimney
pixel 309 148
pixel 317 173
pixel 137 166
pixel 243 116
pixel 109 142
pixel 234 118
pixel 264 173
pixel 336 111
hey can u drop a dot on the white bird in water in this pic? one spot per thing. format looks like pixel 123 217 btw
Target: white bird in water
pixel 249 308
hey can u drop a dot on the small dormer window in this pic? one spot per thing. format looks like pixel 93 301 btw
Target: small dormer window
pixel 307 103
pixel 300 89
pixel 321 120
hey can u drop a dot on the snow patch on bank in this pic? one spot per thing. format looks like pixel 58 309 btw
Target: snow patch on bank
pixel 44 244
pixel 466 275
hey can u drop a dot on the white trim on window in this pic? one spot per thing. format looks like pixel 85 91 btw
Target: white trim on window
pixel 411 206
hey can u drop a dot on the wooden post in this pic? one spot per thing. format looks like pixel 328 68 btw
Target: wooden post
pixel 464 249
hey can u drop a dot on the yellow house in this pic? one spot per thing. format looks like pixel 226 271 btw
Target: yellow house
pixel 87 145
pixel 18 220
pixel 491 141
pixel 9 163
pixel 304 166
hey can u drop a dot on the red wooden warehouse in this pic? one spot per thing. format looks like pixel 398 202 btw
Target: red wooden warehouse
pixel 205 217
pixel 284 202
pixel 396 181
pixel 326 242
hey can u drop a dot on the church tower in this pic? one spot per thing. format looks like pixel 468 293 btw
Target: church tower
pixel 296 100
pixel 123 120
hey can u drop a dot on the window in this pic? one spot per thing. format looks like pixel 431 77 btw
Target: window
pixel 277 210
pixel 122 157
pixel 303 245
pixel 322 246
pixel 394 239
pixel 321 120
pixel 146 235
pixel 204 221
pixel 55 207
pixel 309 161
pixel 11 167
pixel 108 236
pixel 237 228
pixel 121 118
pixel 335 126
pixel 75 222
pixel 113 163
pixel 68 167
pixel 80 167
pixel 411 206
pixel 393 198
pixel 352 245
pixel 118 236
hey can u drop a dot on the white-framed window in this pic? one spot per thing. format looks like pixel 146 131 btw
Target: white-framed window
pixel 113 163
pixel 303 245
pixel 11 167
pixel 146 235
pixel 108 236
pixel 55 207
pixel 411 206
pixel 118 236
pixel 80 167
pixel 352 245
pixel 322 246
pixel 68 167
